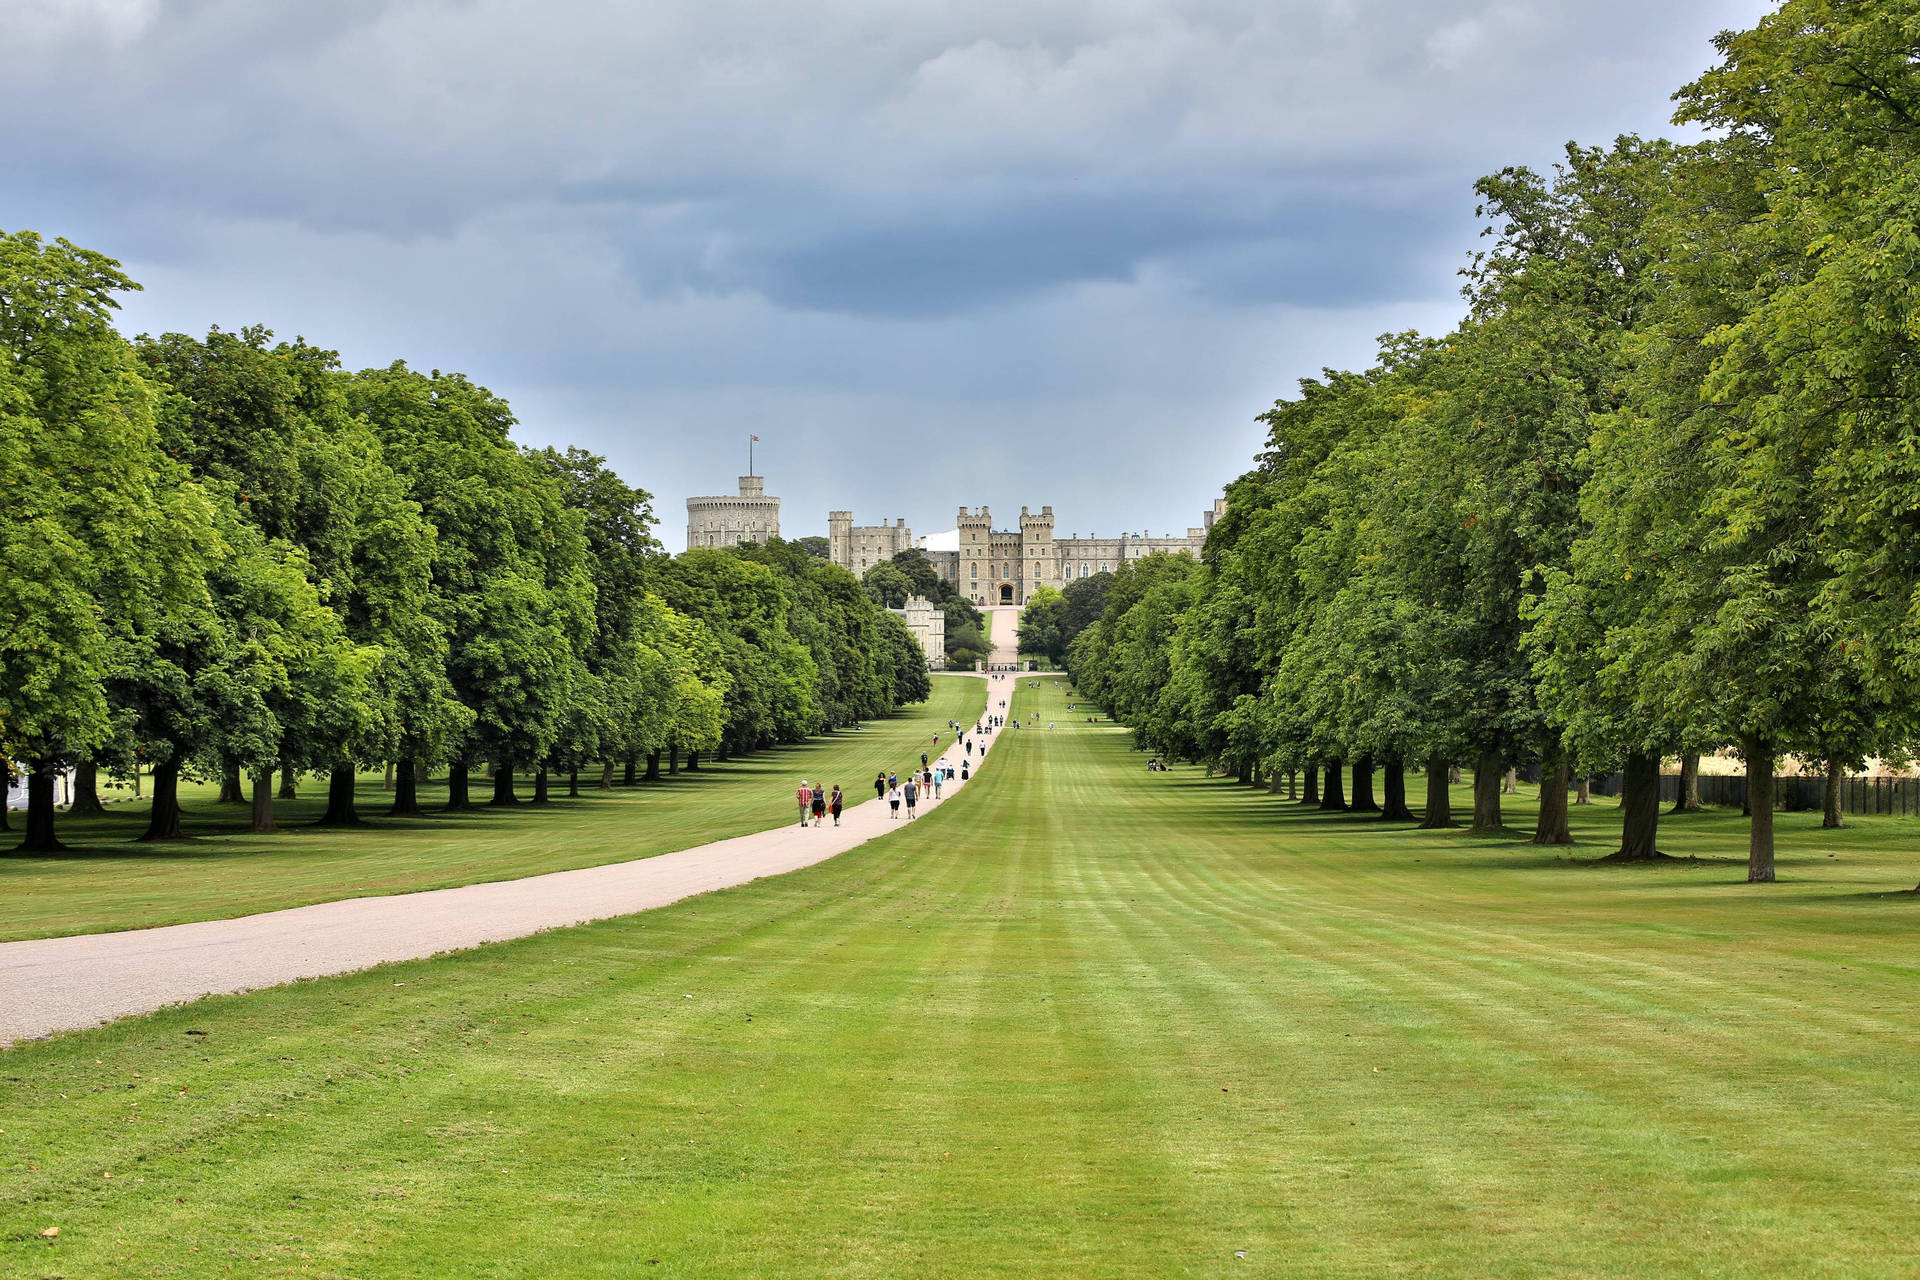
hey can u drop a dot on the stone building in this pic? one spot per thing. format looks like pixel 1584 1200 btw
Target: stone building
pixel 859 547
pixel 750 516
pixel 929 627
pixel 1002 566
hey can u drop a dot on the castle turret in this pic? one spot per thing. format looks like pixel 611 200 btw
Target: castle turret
pixel 840 538
pixel 1040 565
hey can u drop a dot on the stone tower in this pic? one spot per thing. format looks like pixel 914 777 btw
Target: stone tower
pixel 1039 565
pixel 750 516
pixel 976 550
pixel 840 538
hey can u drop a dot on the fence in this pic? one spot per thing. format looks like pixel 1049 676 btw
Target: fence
pixel 1899 797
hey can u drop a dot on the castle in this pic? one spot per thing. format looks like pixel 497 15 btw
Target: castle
pixel 1002 566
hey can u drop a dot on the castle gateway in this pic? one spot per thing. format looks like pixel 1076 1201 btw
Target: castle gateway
pixel 1003 566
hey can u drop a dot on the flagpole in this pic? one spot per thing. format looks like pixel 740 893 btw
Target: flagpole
pixel 749 453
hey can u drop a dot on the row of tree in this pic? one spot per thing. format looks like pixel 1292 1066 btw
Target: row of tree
pixel 230 558
pixel 1657 495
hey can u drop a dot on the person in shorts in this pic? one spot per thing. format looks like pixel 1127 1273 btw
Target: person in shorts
pixel 893 799
pixel 819 805
pixel 912 794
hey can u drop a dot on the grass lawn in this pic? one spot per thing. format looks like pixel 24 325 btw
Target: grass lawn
pixel 108 882
pixel 1089 1021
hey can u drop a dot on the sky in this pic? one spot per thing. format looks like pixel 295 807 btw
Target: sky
pixel 934 254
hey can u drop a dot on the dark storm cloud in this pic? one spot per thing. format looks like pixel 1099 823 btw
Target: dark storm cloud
pixel 995 229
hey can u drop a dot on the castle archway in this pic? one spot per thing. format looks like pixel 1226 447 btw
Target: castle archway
pixel 1006 595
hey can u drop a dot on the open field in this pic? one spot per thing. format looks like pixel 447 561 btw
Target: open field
pixel 110 883
pixel 1087 1021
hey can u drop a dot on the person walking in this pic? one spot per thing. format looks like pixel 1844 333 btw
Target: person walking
pixel 879 786
pixel 893 799
pixel 805 796
pixel 964 774
pixel 939 776
pixel 819 805
pixel 913 794
pixel 893 779
pixel 835 803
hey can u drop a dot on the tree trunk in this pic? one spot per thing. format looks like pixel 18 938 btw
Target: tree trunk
pixel 6 781
pixel 1686 797
pixel 721 753
pixel 458 794
pixel 693 761
pixel 232 789
pixel 1331 796
pixel 1488 772
pixel 1510 786
pixel 1312 793
pixel 540 785
pixel 1275 783
pixel 1453 775
pixel 606 775
pixel 503 784
pixel 653 766
pixel 1584 794
pixel 1244 775
pixel 289 785
pixel 406 790
pixel 1395 809
pixel 1760 801
pixel 573 784
pixel 136 777
pixel 386 783
pixel 86 792
pixel 1293 785
pixel 262 821
pixel 673 759
pixel 1439 796
pixel 1640 808
pixel 1830 810
pixel 341 811
pixel 1363 801
pixel 163 819
pixel 1552 826
pixel 41 837
pixel 626 776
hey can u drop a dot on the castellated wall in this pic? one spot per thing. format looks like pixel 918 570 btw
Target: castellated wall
pixel 857 548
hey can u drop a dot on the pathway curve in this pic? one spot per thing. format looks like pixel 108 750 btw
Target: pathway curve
pixel 62 984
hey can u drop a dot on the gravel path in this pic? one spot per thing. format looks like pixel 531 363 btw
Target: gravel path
pixel 62 984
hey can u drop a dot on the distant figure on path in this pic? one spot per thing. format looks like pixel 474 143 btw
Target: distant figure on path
pixel 963 771
pixel 835 805
pixel 913 794
pixel 879 786
pixel 805 796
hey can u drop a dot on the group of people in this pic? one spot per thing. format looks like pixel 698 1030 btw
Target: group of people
pixel 817 802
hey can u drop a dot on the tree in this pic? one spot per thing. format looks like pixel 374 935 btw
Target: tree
pixel 888 586
pixel 83 508
pixel 1042 630
pixel 511 586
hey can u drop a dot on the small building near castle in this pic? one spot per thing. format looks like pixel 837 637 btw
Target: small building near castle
pixel 750 516
pixel 929 627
